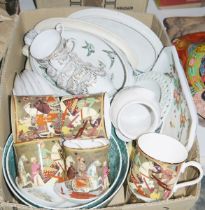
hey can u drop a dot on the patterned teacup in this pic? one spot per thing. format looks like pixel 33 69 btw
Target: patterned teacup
pixel 158 163
pixel 39 163
pixel 86 116
pixel 87 167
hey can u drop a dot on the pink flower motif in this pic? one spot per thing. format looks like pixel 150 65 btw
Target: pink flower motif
pixel 192 61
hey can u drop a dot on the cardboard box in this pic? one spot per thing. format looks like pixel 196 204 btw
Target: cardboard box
pixel 14 62
pixel 162 4
pixel 130 5
pixel 6 29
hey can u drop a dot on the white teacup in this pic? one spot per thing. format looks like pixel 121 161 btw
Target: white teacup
pixel 50 49
pixel 135 111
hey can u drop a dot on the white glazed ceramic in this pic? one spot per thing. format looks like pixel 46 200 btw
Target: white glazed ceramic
pixel 180 120
pixel 145 111
pixel 164 63
pixel 45 43
pixel 93 29
pixel 19 87
pixel 135 119
pixel 141 39
pixel 95 53
pixel 30 82
pixel 44 79
pixel 159 162
pixel 163 87
pixel 50 49
pixel 86 143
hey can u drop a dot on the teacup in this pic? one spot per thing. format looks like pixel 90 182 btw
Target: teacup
pixel 51 50
pixel 158 163
pixel 87 167
pixel 134 111
pixel 86 116
pixel 35 117
pixel 39 163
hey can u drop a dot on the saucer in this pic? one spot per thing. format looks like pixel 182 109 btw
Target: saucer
pixel 143 42
pixel 65 192
pixel 163 87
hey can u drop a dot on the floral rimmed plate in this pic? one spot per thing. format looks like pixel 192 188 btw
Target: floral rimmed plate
pixel 47 198
pixel 162 85
pixel 143 42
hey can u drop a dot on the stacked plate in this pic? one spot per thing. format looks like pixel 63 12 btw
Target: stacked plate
pixel 50 197
pixel 117 43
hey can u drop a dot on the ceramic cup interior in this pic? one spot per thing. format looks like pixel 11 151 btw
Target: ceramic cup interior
pixel 86 143
pixel 169 151
pixel 138 117
pixel 45 43
pixel 128 95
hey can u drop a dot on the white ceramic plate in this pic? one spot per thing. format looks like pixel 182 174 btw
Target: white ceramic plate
pixel 93 29
pixel 140 39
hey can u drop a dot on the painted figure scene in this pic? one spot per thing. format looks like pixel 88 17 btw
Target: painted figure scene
pixel 87 173
pixel 37 117
pixel 152 180
pixel 82 117
pixel 39 163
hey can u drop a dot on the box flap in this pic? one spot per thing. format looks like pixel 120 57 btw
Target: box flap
pixel 132 5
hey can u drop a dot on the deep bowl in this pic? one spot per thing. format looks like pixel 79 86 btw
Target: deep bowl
pixel 119 163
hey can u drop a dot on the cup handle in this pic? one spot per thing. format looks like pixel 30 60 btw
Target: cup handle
pixel 192 182
pixel 30 36
pixel 25 50
pixel 60 28
pixel 70 44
